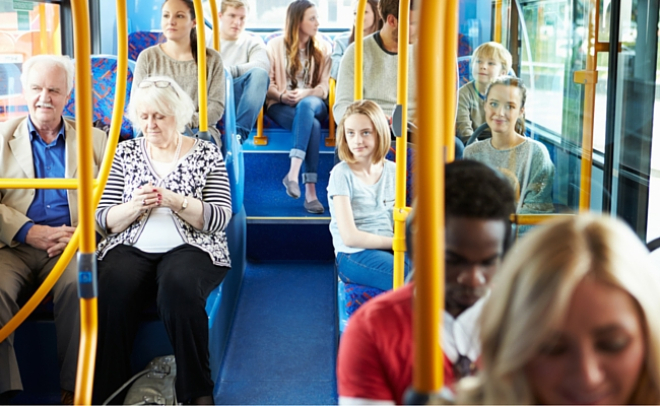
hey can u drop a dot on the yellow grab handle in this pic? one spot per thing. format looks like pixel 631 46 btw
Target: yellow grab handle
pixel 201 68
pixel 359 49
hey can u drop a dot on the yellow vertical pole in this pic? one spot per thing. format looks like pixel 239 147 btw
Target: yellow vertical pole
pixel 400 211
pixel 359 49
pixel 589 78
pixel 201 66
pixel 216 25
pixel 434 120
pixel 86 256
pixel 497 23
pixel 44 43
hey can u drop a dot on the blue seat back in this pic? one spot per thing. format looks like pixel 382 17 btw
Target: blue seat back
pixel 231 147
pixel 138 41
pixel 104 79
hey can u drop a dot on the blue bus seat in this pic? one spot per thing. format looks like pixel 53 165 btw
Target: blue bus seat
pixel 350 296
pixel 138 41
pixel 104 77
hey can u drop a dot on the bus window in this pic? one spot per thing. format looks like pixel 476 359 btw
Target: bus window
pixel 26 29
pixel 270 14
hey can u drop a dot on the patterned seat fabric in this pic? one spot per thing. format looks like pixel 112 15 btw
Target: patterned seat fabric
pixel 464 48
pixel 104 72
pixel 140 40
pixel 410 166
pixel 357 295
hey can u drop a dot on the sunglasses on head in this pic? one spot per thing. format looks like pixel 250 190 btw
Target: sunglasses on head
pixel 158 83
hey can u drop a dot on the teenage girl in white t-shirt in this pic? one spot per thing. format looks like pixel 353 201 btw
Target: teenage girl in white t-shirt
pixel 361 198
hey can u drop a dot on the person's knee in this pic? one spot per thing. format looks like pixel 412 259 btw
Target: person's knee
pixel 258 79
pixel 177 291
pixel 309 103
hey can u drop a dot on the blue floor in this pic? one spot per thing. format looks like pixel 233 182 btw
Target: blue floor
pixel 282 347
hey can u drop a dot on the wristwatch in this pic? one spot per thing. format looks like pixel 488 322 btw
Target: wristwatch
pixel 184 205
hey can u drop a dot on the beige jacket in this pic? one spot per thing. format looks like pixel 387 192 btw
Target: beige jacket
pixel 16 162
pixel 278 79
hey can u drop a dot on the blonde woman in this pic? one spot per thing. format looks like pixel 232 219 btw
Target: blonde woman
pixel 573 320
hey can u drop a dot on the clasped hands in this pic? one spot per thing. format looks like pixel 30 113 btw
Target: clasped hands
pixel 293 97
pixel 148 197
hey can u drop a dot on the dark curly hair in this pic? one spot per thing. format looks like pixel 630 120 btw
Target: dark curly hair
pixel 474 190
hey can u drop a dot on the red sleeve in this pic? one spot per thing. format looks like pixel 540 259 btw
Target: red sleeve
pixel 449 378
pixel 359 370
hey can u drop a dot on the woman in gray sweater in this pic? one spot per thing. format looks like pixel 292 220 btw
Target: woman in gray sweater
pixel 524 161
pixel 177 58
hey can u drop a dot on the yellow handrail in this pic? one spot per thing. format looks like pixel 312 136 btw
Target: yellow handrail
pixel 216 25
pixel 201 68
pixel 259 137
pixel 534 219
pixel 332 87
pixel 589 78
pixel 359 49
pixel 50 183
pixel 434 90
pixel 400 212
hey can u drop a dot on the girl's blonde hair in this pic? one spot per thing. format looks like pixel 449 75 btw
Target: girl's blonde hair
pixel 379 121
pixel 533 291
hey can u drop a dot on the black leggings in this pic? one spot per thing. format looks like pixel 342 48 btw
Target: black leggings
pixel 180 280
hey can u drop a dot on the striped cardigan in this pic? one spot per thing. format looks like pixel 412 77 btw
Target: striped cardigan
pixel 200 174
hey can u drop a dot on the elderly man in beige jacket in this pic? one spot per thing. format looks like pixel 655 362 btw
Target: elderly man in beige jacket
pixel 36 225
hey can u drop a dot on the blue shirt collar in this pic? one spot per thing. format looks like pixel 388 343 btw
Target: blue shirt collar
pixel 32 130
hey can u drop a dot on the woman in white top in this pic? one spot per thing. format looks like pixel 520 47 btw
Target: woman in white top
pixel 164 209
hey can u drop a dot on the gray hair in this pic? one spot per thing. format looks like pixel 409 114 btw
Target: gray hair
pixel 169 101
pixel 63 62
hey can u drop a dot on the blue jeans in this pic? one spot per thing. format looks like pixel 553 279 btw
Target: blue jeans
pixel 369 267
pixel 304 121
pixel 249 94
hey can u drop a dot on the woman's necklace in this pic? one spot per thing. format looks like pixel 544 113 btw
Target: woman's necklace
pixel 177 153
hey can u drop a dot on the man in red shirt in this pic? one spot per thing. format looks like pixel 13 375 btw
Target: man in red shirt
pixel 375 359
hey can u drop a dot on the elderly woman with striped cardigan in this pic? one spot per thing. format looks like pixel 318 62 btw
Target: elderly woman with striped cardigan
pixel 164 210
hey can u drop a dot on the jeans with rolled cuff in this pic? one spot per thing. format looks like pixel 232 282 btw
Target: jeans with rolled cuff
pixel 304 121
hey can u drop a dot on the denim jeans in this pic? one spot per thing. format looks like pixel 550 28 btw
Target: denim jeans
pixel 369 267
pixel 249 94
pixel 304 121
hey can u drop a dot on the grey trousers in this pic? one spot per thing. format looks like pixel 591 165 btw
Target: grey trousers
pixel 25 265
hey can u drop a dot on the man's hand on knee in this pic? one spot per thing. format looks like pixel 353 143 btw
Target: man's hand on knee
pixel 49 239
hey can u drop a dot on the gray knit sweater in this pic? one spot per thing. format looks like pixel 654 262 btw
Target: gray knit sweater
pixel 379 78
pixel 246 53
pixel 527 166
pixel 153 61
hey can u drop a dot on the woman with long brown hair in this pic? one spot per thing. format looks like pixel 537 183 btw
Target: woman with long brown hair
pixel 177 58
pixel 299 72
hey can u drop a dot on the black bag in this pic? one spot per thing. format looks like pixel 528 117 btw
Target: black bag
pixel 155 385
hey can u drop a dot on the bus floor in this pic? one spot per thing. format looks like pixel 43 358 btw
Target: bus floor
pixel 282 345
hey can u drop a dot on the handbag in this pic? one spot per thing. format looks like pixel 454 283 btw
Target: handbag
pixel 155 385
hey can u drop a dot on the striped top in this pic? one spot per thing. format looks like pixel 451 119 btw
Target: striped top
pixel 200 174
